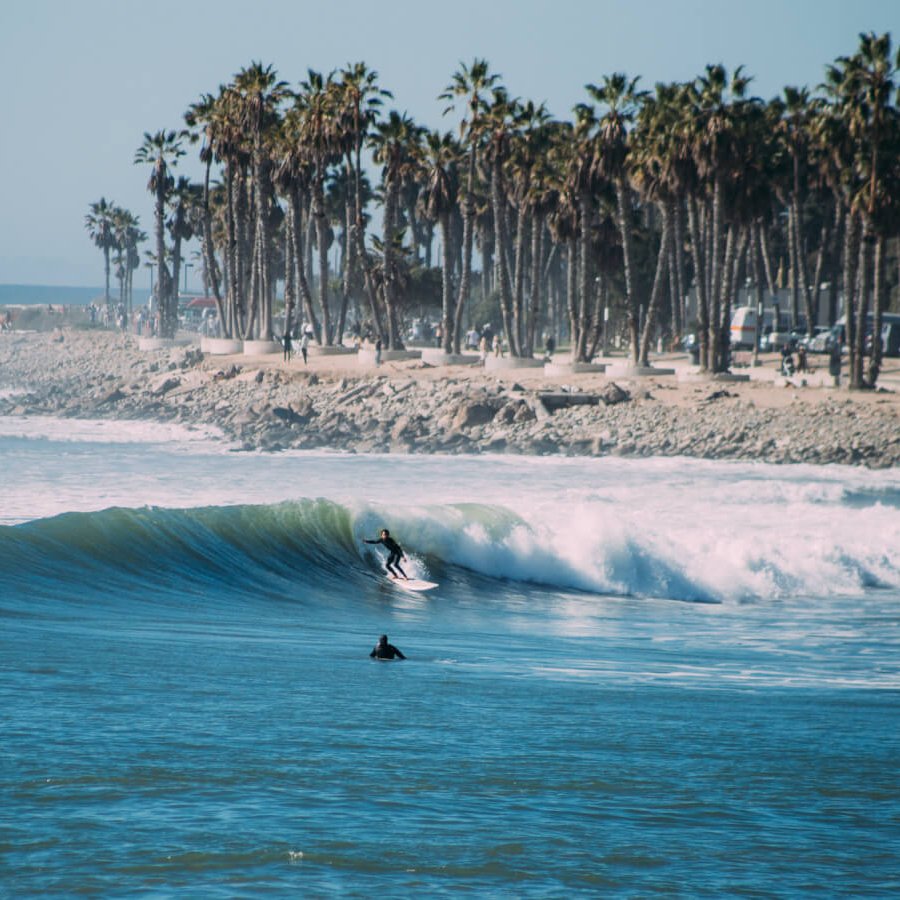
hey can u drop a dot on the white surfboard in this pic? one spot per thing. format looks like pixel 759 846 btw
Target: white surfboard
pixel 413 584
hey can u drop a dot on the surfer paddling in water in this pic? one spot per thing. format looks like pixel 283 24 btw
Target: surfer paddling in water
pixel 396 554
pixel 383 649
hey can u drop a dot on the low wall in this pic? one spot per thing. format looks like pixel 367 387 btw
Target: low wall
pixel 316 350
pixel 366 355
pixel 508 363
pixel 437 357
pixel 221 346
pixel 261 348
pixel 557 367
pixel 627 370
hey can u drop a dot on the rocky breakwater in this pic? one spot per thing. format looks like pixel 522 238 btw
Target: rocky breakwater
pixel 271 407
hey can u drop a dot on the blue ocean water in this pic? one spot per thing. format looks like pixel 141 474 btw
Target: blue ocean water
pixel 636 677
pixel 61 295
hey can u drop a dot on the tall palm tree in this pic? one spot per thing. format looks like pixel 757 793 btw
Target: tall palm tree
pixel 441 156
pixel 621 100
pixel 396 143
pixel 162 151
pixel 318 110
pixel 472 85
pixel 259 94
pixel 100 224
pixel 360 100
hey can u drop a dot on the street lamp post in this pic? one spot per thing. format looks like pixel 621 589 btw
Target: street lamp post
pixel 187 266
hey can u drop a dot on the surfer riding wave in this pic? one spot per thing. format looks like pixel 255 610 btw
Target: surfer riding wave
pixel 395 552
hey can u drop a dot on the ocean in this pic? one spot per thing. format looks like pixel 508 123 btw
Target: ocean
pixel 62 295
pixel 636 677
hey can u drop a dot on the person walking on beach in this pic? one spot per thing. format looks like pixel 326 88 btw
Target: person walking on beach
pixel 385 650
pixel 304 346
pixel 395 552
pixel 288 344
pixel 834 363
pixel 378 351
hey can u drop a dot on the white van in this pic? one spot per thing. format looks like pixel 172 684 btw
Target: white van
pixel 743 327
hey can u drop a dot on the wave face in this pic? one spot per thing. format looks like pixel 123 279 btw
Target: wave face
pixel 313 549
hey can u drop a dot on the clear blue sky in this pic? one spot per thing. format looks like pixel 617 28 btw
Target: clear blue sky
pixel 82 80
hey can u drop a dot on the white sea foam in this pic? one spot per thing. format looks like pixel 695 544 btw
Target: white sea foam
pixel 688 529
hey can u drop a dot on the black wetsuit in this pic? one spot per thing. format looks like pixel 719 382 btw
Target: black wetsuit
pixel 395 551
pixel 385 651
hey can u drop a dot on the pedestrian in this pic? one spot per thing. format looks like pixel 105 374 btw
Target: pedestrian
pixel 288 344
pixel 304 346
pixel 834 362
pixel 378 351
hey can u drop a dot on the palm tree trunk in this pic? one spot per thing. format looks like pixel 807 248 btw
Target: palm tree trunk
pixel 857 379
pixel 851 263
pixel 717 268
pixel 506 299
pixel 534 312
pixel 767 262
pixel 523 225
pixel 623 209
pixel 571 292
pixel 321 220
pixel 878 294
pixel 579 337
pixel 659 281
pixel 299 255
pixel 448 331
pixel 465 277
pixel 699 280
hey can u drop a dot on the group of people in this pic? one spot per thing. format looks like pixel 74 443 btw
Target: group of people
pixel 287 342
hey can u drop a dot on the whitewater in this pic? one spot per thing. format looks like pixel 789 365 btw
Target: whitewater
pixel 637 676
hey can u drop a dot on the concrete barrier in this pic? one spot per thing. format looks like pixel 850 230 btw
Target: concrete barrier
pixel 366 355
pixel 627 370
pixel 561 367
pixel 316 350
pixel 434 356
pixel 510 363
pixel 261 348
pixel 155 343
pixel 694 375
pixel 221 346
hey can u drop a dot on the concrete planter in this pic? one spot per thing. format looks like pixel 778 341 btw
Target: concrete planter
pixel 316 350
pixel 555 368
pixel 366 355
pixel 221 346
pixel 436 357
pixel 155 343
pixel 626 370
pixel 509 363
pixel 262 348
pixel 694 376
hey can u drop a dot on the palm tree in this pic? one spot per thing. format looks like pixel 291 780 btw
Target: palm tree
pixel 100 224
pixel 472 84
pixel 396 144
pixel 318 111
pixel 260 95
pixel 360 100
pixel 441 158
pixel 622 100
pixel 128 236
pixel 161 151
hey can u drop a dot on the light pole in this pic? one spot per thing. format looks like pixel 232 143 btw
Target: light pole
pixel 187 266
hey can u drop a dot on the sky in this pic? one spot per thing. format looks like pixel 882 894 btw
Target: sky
pixel 83 81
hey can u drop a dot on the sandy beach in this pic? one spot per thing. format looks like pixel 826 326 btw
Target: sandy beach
pixel 265 403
